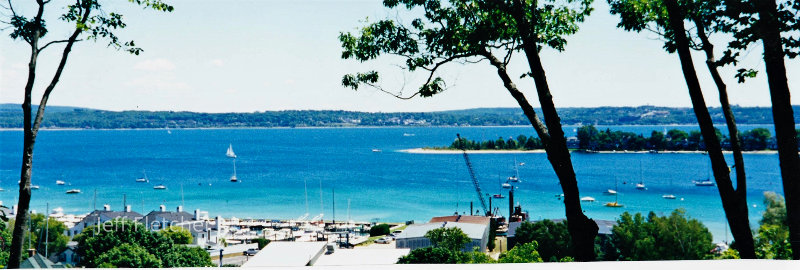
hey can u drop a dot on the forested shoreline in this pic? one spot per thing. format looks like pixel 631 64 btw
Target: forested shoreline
pixel 82 118
pixel 589 138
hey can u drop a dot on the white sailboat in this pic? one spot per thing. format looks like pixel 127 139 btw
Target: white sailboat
pixel 640 185
pixel 232 155
pixel 515 178
pixel 143 178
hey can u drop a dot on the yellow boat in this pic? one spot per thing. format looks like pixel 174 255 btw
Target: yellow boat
pixel 613 204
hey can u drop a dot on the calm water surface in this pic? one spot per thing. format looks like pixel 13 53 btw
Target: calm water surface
pixel 275 166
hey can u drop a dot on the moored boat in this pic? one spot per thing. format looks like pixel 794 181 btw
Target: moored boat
pixel 160 187
pixel 73 191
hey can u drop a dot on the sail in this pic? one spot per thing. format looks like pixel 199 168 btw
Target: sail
pixel 230 152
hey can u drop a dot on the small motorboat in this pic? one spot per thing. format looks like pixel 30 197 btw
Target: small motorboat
pixel 376 150
pixel 60 183
pixel 668 196
pixel 587 199
pixel 610 192
pixel 73 191
pixel 34 186
pixel 640 186
pixel 704 183
pixel 160 187
pixel 498 196
pixel 506 185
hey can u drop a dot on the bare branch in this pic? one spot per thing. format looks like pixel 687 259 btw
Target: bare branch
pixel 56 41
pixel 391 93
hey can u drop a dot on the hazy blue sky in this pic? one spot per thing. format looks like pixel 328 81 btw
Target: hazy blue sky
pixel 244 56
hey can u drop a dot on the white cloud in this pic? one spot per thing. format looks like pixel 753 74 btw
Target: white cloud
pixel 217 62
pixel 158 64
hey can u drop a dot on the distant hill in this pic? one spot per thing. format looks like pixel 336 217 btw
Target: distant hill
pixel 75 117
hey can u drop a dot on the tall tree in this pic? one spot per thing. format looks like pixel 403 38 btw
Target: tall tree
pixel 775 24
pixel 533 23
pixel 655 16
pixel 470 31
pixel 92 23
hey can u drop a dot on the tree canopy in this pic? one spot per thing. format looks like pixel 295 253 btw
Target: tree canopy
pixel 553 239
pixel 673 237
pixel 125 243
pixel 451 238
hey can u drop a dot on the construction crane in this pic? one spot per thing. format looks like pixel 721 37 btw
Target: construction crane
pixel 472 175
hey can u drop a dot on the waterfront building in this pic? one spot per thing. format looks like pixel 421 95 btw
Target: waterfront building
pixel 202 233
pixel 98 217
pixel 475 227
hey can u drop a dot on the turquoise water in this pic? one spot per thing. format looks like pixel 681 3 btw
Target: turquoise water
pixel 274 164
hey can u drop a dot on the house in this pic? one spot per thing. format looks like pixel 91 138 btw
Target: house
pixel 573 142
pixel 413 237
pixel 202 233
pixel 39 261
pixel 98 217
pixel 69 255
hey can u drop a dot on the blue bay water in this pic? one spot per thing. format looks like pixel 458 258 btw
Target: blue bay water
pixel 274 165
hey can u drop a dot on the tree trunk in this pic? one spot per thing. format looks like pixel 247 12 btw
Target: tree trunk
pixel 744 238
pixel 783 117
pixel 29 138
pixel 582 229
pixel 733 212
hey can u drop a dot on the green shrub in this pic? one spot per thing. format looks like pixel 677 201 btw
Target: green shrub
pixel 380 229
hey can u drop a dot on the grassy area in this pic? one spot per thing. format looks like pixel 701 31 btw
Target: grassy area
pixel 400 228
pixel 371 239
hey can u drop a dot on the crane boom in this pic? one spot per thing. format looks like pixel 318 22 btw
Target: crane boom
pixel 472 175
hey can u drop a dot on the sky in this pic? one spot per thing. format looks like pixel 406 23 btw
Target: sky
pixel 246 56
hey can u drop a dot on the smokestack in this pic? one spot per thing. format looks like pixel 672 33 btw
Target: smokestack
pixel 106 207
pixel 162 208
pixel 127 208
pixel 196 214
pixel 180 208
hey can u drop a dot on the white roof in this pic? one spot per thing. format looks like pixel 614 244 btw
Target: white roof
pixel 362 256
pixel 286 254
pixel 474 231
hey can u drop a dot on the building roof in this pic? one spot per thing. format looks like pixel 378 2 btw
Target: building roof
pixel 463 219
pixel 287 254
pixel 39 261
pixel 362 256
pixel 474 231
pixel 195 226
pixel 103 215
pixel 168 216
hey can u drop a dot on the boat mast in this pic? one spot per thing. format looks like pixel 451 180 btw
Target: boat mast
pixel 305 188
pixel 47 229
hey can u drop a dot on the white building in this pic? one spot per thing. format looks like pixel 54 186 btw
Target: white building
pixel 413 237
